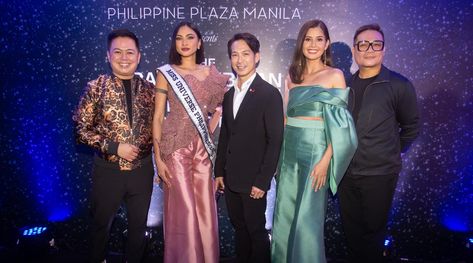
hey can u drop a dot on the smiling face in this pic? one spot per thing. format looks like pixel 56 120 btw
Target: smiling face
pixel 315 43
pixel 187 42
pixel 243 60
pixel 368 59
pixel 124 57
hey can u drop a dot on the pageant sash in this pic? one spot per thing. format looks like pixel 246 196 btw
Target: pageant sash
pixel 185 96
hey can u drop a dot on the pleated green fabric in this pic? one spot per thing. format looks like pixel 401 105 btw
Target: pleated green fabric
pixel 298 227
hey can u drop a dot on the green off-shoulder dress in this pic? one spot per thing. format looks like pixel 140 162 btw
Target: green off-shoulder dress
pixel 298 227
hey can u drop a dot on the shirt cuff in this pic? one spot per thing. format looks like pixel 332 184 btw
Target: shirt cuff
pixel 113 148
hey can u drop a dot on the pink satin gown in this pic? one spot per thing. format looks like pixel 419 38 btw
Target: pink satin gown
pixel 190 210
pixel 191 227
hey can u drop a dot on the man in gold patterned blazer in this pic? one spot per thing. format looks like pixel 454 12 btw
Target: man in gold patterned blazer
pixel 114 117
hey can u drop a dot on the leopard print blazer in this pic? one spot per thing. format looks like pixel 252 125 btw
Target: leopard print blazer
pixel 102 118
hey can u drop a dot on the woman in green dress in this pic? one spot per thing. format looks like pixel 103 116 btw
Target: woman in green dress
pixel 319 142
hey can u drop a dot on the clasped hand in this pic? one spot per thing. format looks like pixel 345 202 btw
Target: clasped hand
pixel 128 151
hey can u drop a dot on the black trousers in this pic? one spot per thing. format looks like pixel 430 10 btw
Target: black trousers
pixel 247 216
pixel 109 188
pixel 365 202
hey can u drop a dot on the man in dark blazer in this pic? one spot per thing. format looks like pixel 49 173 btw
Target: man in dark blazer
pixel 248 148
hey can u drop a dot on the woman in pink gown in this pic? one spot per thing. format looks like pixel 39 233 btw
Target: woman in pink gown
pixel 181 155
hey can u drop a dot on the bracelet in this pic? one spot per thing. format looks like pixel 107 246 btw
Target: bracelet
pixel 159 90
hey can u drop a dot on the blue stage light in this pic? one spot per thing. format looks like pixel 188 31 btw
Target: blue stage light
pixel 388 246
pixel 33 231
pixel 59 213
pixel 387 242
pixel 469 245
pixel 457 219
pixel 35 244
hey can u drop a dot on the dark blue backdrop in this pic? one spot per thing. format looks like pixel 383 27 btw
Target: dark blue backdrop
pixel 52 48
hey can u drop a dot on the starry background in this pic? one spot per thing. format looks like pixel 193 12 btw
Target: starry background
pixel 52 48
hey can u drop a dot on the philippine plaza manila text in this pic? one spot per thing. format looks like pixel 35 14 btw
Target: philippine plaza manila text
pixel 204 13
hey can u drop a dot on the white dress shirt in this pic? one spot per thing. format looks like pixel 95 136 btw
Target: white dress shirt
pixel 239 94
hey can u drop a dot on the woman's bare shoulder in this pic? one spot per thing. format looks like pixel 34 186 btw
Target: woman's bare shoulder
pixel 337 78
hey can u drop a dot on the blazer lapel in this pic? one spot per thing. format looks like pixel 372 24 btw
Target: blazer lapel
pixel 249 96
pixel 229 106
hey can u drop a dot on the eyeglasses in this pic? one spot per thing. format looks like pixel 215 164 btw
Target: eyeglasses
pixel 376 45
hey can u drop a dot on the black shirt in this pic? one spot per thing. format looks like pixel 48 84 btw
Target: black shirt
pixel 359 86
pixel 127 84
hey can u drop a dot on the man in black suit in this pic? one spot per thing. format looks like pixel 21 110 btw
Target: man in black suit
pixel 248 148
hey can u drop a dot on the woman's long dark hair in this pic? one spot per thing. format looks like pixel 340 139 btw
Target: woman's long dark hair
pixel 174 57
pixel 298 63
